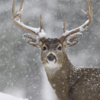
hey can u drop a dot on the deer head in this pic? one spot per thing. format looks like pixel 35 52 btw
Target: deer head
pixel 52 50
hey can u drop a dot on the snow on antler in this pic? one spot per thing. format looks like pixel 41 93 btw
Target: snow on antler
pixel 18 21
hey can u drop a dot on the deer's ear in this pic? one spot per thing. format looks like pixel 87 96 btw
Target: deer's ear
pixel 31 40
pixel 73 39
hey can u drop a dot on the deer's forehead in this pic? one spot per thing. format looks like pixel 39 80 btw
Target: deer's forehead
pixel 52 42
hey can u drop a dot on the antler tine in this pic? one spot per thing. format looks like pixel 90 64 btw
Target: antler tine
pixel 41 25
pixel 21 5
pixel 89 13
pixel 16 14
pixel 90 8
pixel 64 29
pixel 82 27
pixel 20 16
pixel 85 12
pixel 17 20
pixel 13 8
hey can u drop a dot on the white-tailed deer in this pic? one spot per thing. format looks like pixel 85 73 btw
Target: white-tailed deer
pixel 68 82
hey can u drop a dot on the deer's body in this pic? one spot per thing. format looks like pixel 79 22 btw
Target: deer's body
pixel 69 82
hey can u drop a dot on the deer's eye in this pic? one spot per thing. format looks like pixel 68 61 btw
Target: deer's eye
pixel 59 48
pixel 44 48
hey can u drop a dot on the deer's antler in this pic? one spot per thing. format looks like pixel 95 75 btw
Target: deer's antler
pixel 18 21
pixel 89 14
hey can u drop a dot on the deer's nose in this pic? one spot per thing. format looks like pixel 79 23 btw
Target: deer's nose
pixel 51 57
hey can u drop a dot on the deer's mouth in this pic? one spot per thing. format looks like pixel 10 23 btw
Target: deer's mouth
pixel 51 62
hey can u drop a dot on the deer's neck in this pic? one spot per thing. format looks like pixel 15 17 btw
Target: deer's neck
pixel 67 65
pixel 60 78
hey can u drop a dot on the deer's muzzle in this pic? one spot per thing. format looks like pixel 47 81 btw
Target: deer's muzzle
pixel 51 58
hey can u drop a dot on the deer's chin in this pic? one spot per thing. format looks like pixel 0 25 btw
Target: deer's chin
pixel 52 64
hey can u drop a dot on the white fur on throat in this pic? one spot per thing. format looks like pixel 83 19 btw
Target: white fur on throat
pixel 51 67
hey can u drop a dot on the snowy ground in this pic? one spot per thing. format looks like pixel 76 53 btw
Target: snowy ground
pixel 4 96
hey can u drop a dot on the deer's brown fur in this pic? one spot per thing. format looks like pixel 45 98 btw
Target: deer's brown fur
pixel 71 83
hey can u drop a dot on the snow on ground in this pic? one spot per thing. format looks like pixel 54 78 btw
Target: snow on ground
pixel 4 96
